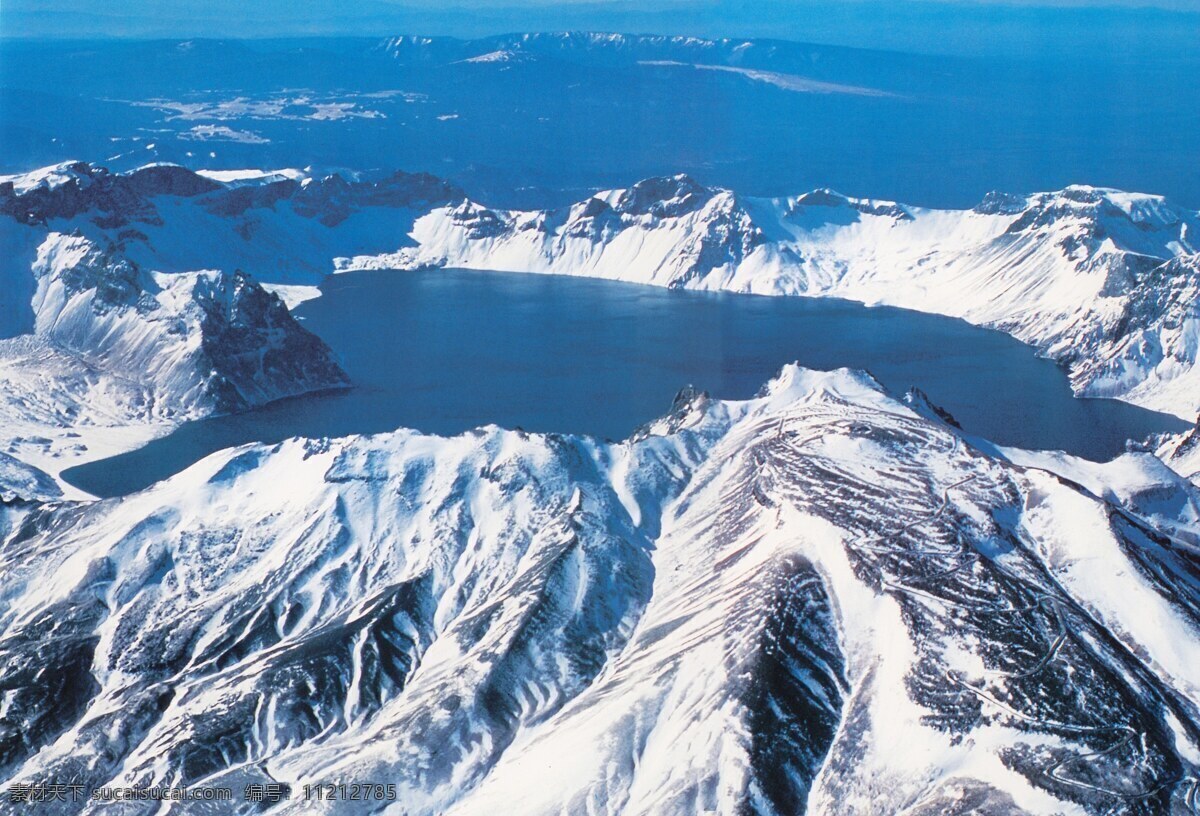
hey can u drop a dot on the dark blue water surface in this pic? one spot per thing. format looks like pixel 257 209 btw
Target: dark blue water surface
pixel 448 350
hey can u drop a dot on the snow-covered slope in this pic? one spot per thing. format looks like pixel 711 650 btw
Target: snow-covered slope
pixel 200 341
pixel 813 599
pixel 118 353
pixel 280 226
pixel 1183 453
pixel 20 482
pixel 1100 280
pixel 1103 281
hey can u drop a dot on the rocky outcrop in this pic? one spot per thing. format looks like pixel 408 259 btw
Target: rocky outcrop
pixel 110 199
pixel 198 342
pixel 113 200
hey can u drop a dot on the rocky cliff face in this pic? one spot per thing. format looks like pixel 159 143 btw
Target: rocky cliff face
pixel 816 599
pixel 115 200
pixel 121 352
pixel 1157 331
pixel 198 343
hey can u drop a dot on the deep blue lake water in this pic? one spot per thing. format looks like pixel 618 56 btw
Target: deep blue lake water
pixel 448 350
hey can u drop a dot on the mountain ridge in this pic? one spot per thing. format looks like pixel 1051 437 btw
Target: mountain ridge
pixel 1073 273
pixel 1100 280
pixel 118 351
pixel 795 582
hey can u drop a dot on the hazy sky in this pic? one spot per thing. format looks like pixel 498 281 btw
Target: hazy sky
pixel 955 26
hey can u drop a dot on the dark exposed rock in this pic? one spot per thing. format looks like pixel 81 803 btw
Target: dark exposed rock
pixel 117 199
pixel 256 348
pixel 922 404
pixel 664 197
pixel 479 221
pixel 830 198
pixel 999 203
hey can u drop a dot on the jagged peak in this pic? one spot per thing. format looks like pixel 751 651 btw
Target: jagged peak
pixel 196 339
pixel 468 207
pixel 663 196
pixel 826 197
pixel 1145 209
pixel 1097 217
pixel 920 402
pixel 82 263
pixel 51 176
pixel 998 202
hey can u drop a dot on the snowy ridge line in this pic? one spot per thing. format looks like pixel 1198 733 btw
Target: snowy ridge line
pixel 683 621
pixel 1043 599
pixel 1105 282
pixel 120 353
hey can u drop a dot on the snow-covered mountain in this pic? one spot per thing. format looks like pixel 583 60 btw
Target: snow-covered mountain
pixel 818 598
pixel 823 599
pixel 132 300
pixel 1103 281
pixel 117 352
pixel 613 48
pixel 1182 451
pixel 280 226
pixel 199 342
pixel 118 199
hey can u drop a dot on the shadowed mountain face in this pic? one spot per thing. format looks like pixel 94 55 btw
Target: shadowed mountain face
pixel 814 599
pixel 116 200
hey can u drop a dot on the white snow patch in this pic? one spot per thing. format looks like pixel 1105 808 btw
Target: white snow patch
pixel 788 82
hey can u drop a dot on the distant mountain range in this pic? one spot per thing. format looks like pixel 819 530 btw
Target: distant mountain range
pixel 531 120
pixel 1123 29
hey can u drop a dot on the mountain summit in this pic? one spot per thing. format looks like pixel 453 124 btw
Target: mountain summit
pixel 815 598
